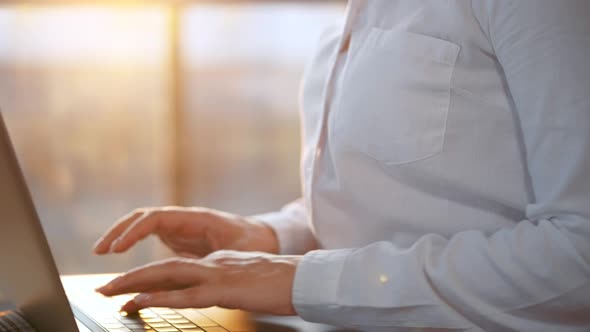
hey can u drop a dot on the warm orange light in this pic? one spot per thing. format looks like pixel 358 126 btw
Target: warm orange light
pixel 74 34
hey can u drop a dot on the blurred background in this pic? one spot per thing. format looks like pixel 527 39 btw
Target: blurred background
pixel 118 105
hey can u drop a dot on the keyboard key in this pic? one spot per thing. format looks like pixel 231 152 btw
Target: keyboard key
pixel 166 329
pixel 119 330
pixel 178 321
pixel 197 318
pixel 142 329
pixel 127 320
pixel 192 330
pixel 171 316
pixel 163 310
pixel 185 326
pixel 158 325
pixel 153 320
pixel 137 326
pixel 148 314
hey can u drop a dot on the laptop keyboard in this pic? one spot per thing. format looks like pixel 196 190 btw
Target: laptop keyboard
pixel 149 320
pixel 158 320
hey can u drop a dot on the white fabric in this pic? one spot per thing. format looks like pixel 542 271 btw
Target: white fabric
pixel 448 147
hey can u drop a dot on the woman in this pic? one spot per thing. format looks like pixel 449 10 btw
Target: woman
pixel 446 170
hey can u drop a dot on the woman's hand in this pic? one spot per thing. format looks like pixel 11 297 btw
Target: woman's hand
pixel 189 232
pixel 255 282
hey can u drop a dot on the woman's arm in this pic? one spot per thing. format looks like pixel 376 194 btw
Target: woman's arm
pixel 533 277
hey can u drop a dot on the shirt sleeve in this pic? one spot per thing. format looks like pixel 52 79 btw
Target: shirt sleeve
pixel 532 277
pixel 292 227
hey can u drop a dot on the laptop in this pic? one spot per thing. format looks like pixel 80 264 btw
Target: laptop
pixel 30 280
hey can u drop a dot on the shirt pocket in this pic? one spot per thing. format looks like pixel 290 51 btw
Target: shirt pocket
pixel 394 98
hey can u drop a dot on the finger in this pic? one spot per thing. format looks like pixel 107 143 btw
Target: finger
pixel 103 244
pixel 138 230
pixel 169 274
pixel 195 297
pixel 146 288
pixel 175 218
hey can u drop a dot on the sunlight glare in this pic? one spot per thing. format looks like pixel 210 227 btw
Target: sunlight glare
pixel 84 34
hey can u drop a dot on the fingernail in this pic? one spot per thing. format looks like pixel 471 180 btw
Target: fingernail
pixel 105 288
pixel 97 245
pixel 109 286
pixel 142 298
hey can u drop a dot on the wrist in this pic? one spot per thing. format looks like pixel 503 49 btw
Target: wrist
pixel 271 240
pixel 263 238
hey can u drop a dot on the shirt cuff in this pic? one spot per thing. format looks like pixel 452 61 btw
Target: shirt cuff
pixel 316 285
pixel 292 229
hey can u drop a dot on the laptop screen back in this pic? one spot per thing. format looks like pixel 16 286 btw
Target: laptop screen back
pixel 28 275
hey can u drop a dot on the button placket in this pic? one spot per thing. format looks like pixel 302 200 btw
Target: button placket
pixel 352 12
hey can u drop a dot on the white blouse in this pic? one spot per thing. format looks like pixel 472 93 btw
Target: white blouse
pixel 446 168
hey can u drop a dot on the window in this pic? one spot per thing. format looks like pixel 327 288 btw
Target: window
pixel 104 111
